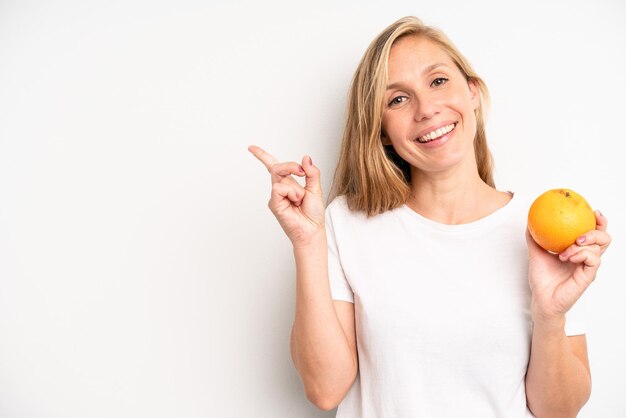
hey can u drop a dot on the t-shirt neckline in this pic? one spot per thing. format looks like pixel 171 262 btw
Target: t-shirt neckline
pixel 488 221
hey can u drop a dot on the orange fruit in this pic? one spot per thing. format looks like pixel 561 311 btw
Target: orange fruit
pixel 558 217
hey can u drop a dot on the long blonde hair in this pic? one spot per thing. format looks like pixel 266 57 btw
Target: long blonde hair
pixel 373 177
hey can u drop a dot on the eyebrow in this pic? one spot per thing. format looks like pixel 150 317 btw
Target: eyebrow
pixel 426 71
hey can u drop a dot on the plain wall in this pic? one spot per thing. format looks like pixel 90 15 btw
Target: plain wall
pixel 141 273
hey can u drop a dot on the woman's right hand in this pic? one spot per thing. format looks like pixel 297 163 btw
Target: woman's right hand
pixel 299 210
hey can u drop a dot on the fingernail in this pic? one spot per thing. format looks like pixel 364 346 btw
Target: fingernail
pixel 599 213
pixel 310 160
pixel 301 170
pixel 581 239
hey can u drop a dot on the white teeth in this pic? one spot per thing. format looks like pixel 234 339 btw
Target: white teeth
pixel 436 133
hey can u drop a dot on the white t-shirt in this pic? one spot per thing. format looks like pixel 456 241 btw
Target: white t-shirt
pixel 442 312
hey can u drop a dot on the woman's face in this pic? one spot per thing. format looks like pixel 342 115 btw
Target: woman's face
pixel 429 107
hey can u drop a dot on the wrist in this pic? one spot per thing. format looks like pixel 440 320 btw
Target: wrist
pixel 314 241
pixel 548 325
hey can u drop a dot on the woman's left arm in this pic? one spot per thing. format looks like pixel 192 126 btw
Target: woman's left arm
pixel 558 381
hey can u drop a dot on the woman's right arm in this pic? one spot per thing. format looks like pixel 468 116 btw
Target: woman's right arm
pixel 323 338
pixel 323 341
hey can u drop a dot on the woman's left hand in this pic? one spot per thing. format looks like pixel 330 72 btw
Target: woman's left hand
pixel 556 282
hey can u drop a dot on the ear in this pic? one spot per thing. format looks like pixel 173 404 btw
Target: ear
pixel 474 94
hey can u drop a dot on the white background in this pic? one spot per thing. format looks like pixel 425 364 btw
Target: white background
pixel 141 273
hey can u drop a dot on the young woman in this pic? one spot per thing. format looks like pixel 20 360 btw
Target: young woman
pixel 419 291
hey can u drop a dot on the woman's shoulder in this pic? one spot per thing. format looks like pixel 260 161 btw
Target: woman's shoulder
pixel 337 202
pixel 520 200
pixel 517 209
pixel 339 207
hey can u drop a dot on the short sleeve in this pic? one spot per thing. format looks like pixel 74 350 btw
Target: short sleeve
pixel 576 317
pixel 339 286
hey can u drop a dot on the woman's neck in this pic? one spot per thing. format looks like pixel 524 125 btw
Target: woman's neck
pixel 453 199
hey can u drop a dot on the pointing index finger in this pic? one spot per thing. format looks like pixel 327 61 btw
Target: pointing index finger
pixel 266 158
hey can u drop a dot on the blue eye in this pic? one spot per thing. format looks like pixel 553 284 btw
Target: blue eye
pixel 439 81
pixel 397 100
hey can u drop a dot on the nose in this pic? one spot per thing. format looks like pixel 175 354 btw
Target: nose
pixel 426 108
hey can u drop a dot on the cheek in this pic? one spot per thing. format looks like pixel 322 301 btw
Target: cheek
pixel 470 123
pixel 462 99
pixel 466 107
pixel 391 127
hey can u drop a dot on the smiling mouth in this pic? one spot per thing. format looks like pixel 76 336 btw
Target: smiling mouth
pixel 436 133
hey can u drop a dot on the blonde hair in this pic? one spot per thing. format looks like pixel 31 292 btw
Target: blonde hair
pixel 373 177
